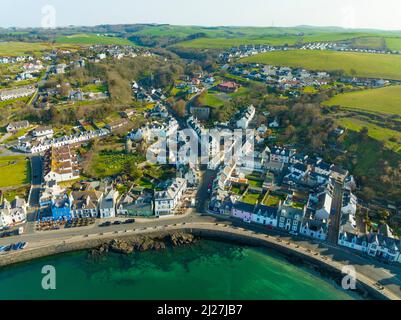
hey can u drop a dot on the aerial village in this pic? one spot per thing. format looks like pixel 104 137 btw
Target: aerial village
pixel 254 180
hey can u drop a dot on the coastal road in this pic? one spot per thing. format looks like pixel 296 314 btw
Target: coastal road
pixel 388 276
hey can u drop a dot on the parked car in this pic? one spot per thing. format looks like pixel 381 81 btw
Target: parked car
pixel 246 220
pixel 105 224
pixel 129 221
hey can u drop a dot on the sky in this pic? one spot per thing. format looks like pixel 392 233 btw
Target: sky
pixel 383 14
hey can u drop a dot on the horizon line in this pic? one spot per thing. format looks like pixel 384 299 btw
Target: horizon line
pixel 203 26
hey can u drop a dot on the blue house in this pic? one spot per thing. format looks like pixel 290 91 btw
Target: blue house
pixel 61 208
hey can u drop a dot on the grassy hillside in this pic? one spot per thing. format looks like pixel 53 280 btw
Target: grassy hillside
pixel 358 64
pixel 391 138
pixel 221 43
pixel 12 49
pixel 377 43
pixel 384 100
pixel 92 39
pixel 275 39
pixel 394 43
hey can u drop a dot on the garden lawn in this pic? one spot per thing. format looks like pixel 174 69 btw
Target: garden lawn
pixel 250 198
pixel 272 201
pixel 14 171
pixel 106 164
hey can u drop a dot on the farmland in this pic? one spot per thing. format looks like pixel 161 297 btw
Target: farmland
pixel 351 63
pixel 12 49
pixel 92 39
pixel 224 43
pixel 393 43
pixel 376 43
pixel 384 100
pixel 256 37
pixel 15 171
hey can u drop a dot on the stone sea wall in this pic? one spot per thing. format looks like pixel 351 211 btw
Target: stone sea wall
pixel 183 235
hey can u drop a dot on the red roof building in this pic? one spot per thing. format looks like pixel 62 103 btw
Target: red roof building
pixel 228 86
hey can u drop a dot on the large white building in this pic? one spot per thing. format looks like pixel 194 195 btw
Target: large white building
pixel 166 201
pixel 61 164
pixel 13 213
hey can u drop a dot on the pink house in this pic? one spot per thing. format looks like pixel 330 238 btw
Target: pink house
pixel 243 210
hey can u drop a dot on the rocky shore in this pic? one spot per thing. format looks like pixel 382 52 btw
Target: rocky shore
pixel 143 243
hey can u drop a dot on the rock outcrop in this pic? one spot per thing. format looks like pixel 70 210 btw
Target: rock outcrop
pixel 143 243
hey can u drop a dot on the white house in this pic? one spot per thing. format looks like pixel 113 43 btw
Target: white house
pixel 321 204
pixel 15 126
pixel 246 119
pixel 13 213
pixel 349 205
pixel 85 204
pixel 290 218
pixel 41 132
pixel 374 245
pixel 315 229
pixel 265 215
pixel 107 207
pixel 166 201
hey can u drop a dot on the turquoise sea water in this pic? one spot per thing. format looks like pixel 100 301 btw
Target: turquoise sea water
pixel 205 270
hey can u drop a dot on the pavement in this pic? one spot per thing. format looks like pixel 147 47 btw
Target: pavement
pixel 36 173
pixel 335 219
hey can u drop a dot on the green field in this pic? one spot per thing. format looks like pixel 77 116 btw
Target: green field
pixel 12 49
pixel 221 43
pixel 108 163
pixel 394 43
pixel 15 171
pixel 212 100
pixel 92 39
pixel 383 100
pixel 94 88
pixel 375 132
pixel 356 64
pixel 275 37
pixel 369 42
